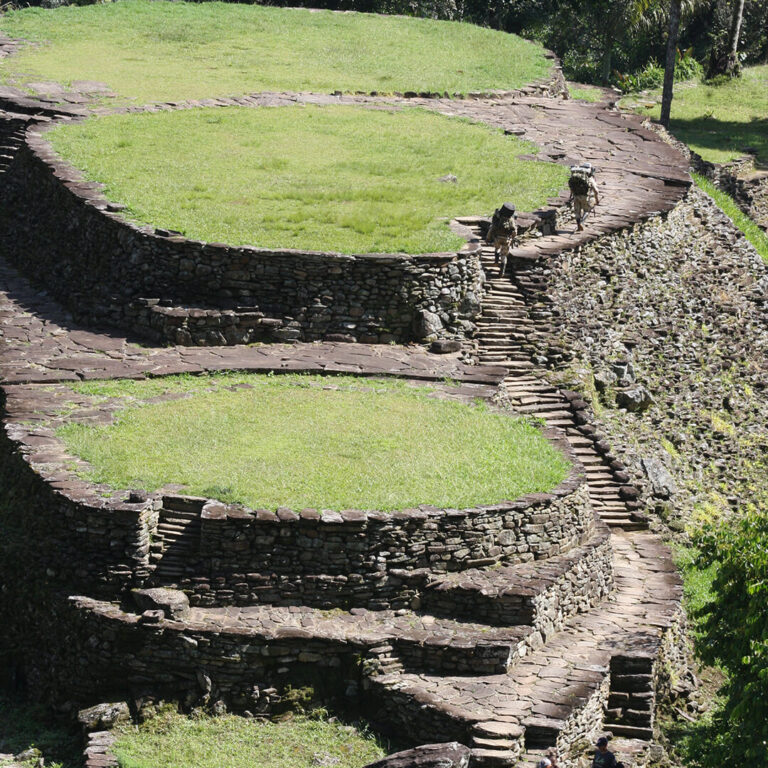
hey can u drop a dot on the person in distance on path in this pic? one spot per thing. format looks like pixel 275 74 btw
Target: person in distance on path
pixel 502 233
pixel 583 187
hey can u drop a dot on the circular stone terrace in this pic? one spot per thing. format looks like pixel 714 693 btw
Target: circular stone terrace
pixel 510 627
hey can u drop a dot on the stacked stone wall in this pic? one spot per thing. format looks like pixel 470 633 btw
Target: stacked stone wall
pixel 67 533
pixel 356 558
pixel 61 231
pixel 739 179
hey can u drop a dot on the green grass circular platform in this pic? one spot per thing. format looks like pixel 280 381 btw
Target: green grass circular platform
pixel 334 178
pixel 310 441
pixel 159 51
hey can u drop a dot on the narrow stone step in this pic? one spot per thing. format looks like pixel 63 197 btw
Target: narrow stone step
pixel 492 758
pixel 630 731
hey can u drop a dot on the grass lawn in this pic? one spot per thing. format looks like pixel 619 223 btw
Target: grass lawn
pixel 721 121
pixel 175 741
pixel 310 441
pixel 727 204
pixel 341 178
pixel 586 94
pixel 159 51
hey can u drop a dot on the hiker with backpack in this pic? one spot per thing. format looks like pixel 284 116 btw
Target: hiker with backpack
pixel 583 186
pixel 502 233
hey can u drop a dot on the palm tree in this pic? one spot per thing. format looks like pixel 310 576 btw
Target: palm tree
pixel 732 68
pixel 669 64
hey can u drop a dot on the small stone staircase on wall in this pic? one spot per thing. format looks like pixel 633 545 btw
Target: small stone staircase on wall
pixel 176 543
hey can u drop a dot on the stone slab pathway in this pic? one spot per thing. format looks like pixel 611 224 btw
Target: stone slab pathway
pixel 39 344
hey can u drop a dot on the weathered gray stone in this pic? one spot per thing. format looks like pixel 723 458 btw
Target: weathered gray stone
pixel 172 602
pixel 103 716
pixel 635 399
pixel 450 755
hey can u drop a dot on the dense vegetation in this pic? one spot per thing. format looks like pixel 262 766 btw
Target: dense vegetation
pixel 274 177
pixel 26 726
pixel 308 441
pixel 156 51
pixel 175 741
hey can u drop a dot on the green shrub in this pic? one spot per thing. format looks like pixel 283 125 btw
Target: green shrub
pixel 735 624
pixel 652 74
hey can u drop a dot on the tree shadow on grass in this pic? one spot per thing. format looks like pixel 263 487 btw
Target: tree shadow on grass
pixel 725 135
pixel 24 725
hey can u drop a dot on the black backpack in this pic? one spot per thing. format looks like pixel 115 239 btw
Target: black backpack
pixel 579 182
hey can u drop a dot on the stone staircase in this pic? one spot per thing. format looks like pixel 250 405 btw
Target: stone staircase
pixel 176 542
pixel 506 330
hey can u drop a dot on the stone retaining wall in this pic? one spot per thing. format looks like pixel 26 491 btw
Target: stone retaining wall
pixel 69 533
pixel 362 559
pixel 62 231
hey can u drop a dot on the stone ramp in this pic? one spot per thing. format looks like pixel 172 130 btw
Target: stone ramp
pixel 557 691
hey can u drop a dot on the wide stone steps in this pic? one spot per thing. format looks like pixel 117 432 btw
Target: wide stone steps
pixel 580 669
pixel 541 594
pixel 400 640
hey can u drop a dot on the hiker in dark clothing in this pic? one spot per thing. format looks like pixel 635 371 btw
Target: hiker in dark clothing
pixel 502 233
pixel 583 187
pixel 603 758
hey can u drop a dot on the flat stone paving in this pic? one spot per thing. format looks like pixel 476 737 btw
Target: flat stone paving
pixel 41 345
pixel 638 176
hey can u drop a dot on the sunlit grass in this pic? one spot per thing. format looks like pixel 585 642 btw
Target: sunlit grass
pixel 310 441
pixel 175 741
pixel 348 179
pixel 721 122
pixel 155 51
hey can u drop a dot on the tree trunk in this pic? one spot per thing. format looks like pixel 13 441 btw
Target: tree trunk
pixel 732 67
pixel 607 60
pixel 669 64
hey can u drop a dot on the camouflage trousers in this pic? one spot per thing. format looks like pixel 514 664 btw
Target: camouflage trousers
pixel 501 248
pixel 581 206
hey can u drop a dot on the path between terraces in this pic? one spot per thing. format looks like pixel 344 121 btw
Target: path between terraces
pixel 544 693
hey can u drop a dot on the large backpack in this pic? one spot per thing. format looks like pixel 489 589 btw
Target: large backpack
pixel 579 182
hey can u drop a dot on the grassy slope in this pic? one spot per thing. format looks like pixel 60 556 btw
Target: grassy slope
pixel 720 122
pixel 152 51
pixel 287 441
pixel 275 177
pixel 175 741
pixel 727 204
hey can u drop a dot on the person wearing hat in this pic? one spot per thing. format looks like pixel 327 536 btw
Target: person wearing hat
pixel 603 758
pixel 502 233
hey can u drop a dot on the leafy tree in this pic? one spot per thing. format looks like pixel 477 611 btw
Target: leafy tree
pixel 735 622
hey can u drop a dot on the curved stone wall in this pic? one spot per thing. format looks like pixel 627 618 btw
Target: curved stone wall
pixel 62 231
pixel 93 538
pixel 355 558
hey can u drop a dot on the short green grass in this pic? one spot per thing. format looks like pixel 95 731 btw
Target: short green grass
pixel 728 205
pixel 721 122
pixel 342 178
pixel 310 441
pixel 175 741
pixel 159 51
pixel 586 94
